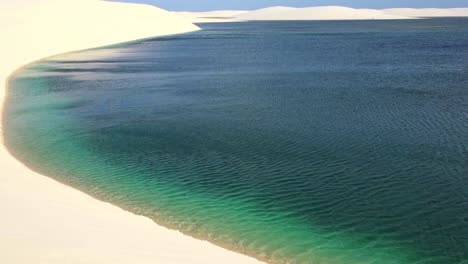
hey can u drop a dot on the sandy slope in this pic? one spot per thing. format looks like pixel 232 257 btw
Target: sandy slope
pixel 212 16
pixel 43 221
pixel 320 13
pixel 316 13
pixel 289 13
pixel 428 12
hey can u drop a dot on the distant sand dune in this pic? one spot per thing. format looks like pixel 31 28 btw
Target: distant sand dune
pixel 316 13
pixel 428 12
pixel 212 16
pixel 320 13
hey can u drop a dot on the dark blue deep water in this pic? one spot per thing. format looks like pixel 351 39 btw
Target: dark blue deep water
pixel 294 142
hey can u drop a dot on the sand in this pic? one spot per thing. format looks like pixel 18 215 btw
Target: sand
pixel 44 221
pixel 289 13
pixel 320 13
pixel 316 13
pixel 212 16
pixel 428 12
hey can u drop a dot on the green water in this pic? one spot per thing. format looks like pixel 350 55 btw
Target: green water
pixel 294 142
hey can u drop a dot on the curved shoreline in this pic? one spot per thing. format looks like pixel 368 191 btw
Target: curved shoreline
pixel 48 222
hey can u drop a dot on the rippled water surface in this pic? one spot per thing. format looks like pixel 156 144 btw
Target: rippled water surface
pixel 294 142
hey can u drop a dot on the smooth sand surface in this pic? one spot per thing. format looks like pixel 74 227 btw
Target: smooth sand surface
pixel 316 13
pixel 428 12
pixel 289 13
pixel 212 16
pixel 320 13
pixel 43 221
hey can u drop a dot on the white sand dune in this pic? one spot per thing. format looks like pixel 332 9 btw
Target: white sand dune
pixel 428 12
pixel 321 13
pixel 44 221
pixel 316 13
pixel 289 13
pixel 212 16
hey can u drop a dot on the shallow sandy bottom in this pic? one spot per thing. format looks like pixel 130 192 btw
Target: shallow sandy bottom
pixel 44 221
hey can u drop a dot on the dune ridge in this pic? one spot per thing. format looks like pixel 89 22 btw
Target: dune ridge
pixel 212 16
pixel 320 13
pixel 428 12
pixel 44 221
pixel 316 13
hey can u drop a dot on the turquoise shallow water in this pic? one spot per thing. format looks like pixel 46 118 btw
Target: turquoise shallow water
pixel 294 142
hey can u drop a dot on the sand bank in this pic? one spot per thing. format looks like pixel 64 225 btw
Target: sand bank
pixel 212 16
pixel 321 13
pixel 428 12
pixel 44 221
pixel 317 13
pixel 290 13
